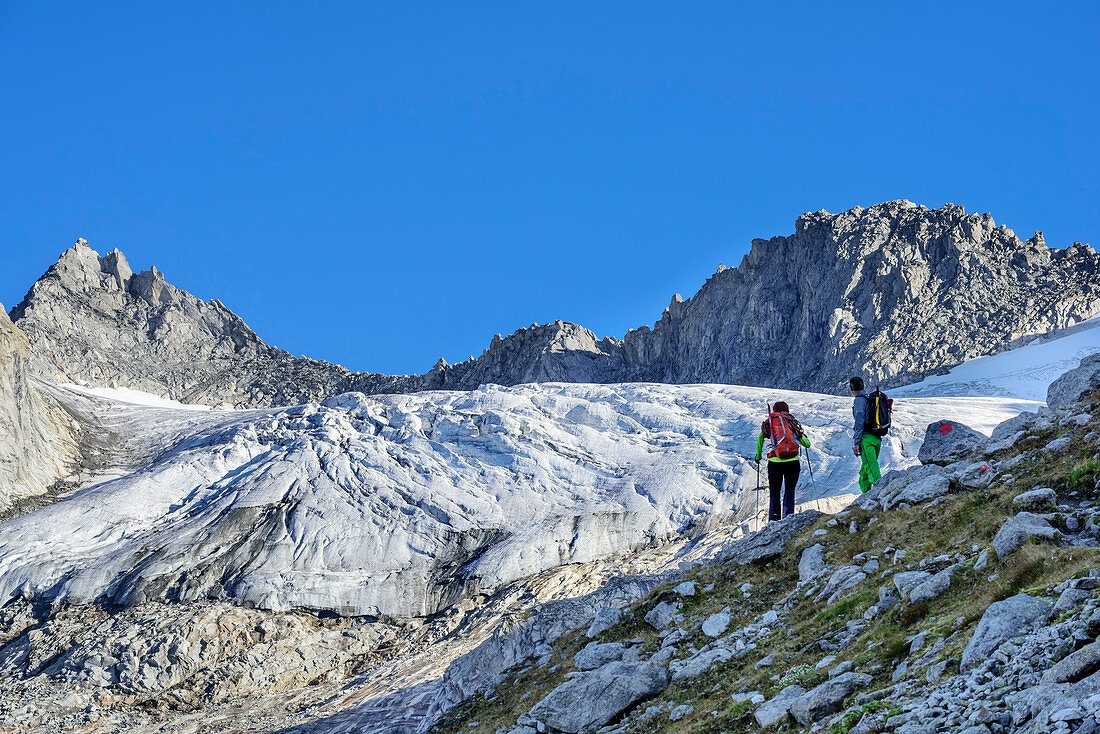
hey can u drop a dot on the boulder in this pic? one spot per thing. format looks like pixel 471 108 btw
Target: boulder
pixel 769 542
pixel 687 588
pixel 1075 384
pixel 828 697
pixel 932 587
pixel 1002 621
pixel 605 619
pixel 906 581
pixel 812 563
pixel 660 616
pixel 701 662
pixel 716 624
pixel 586 702
pixel 596 655
pixel 1017 425
pixel 1074 666
pixel 946 442
pixel 1020 529
pixel 843 579
pixel 775 711
pixel 1039 498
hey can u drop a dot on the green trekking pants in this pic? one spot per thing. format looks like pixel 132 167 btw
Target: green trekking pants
pixel 869 472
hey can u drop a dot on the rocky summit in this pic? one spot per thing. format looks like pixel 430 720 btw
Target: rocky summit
pixel 895 292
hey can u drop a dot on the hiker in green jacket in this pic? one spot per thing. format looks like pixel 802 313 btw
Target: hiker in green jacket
pixel 866 445
pixel 786 435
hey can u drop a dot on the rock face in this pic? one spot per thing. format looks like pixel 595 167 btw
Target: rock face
pixel 893 292
pixel 37 437
pixel 1075 384
pixel 584 703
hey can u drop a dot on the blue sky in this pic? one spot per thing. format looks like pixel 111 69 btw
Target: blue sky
pixel 382 184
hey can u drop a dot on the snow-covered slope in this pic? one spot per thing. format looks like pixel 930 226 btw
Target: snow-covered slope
pixel 1024 373
pixel 399 505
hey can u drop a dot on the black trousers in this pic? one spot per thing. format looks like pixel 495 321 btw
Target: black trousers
pixel 782 474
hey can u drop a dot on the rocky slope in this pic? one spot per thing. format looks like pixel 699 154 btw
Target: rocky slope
pixel 895 292
pixel 960 596
pixel 38 442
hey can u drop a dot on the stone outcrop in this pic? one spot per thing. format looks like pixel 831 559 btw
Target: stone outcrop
pixel 37 437
pixel 584 703
pixel 948 441
pixel 1075 384
pixel 893 292
pixel 1019 530
pixel 1004 620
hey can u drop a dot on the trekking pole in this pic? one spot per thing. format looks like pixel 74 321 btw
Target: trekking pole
pixel 810 467
pixel 756 515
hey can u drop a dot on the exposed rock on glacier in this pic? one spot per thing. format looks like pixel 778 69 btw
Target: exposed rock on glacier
pixel 403 504
pixel 893 292
pixel 37 437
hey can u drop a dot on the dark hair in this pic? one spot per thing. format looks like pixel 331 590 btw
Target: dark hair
pixel 780 407
pixel 856 383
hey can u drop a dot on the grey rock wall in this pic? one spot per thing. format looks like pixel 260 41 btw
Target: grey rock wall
pixel 37 444
pixel 894 292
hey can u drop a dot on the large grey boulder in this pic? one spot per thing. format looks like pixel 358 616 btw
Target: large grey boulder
pixel 1074 666
pixel 828 697
pixel 1002 621
pixel 906 581
pixel 946 442
pixel 812 564
pixel 769 542
pixel 596 655
pixel 932 587
pixel 605 619
pixel 586 702
pixel 660 616
pixel 700 663
pixel 775 711
pixel 1034 499
pixel 1018 530
pixel 912 486
pixel 1075 384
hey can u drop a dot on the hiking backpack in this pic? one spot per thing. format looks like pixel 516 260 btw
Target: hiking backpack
pixel 784 430
pixel 879 408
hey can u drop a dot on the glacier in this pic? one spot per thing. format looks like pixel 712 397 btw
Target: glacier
pixel 400 505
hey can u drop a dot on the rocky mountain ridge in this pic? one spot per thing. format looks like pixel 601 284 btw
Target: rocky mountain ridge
pixel 895 292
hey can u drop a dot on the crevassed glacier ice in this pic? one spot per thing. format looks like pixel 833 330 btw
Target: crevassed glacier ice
pixel 400 504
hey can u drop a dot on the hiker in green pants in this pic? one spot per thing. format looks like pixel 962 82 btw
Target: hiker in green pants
pixel 865 445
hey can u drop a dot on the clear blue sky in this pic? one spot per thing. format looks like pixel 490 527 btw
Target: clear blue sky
pixel 381 184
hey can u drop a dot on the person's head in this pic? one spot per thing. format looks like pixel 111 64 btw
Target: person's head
pixel 780 407
pixel 856 383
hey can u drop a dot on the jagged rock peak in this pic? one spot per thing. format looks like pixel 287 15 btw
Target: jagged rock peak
pixel 92 320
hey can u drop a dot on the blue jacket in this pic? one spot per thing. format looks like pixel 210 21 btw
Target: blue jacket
pixel 861 406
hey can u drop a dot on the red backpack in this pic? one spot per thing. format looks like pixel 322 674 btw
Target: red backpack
pixel 784 431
